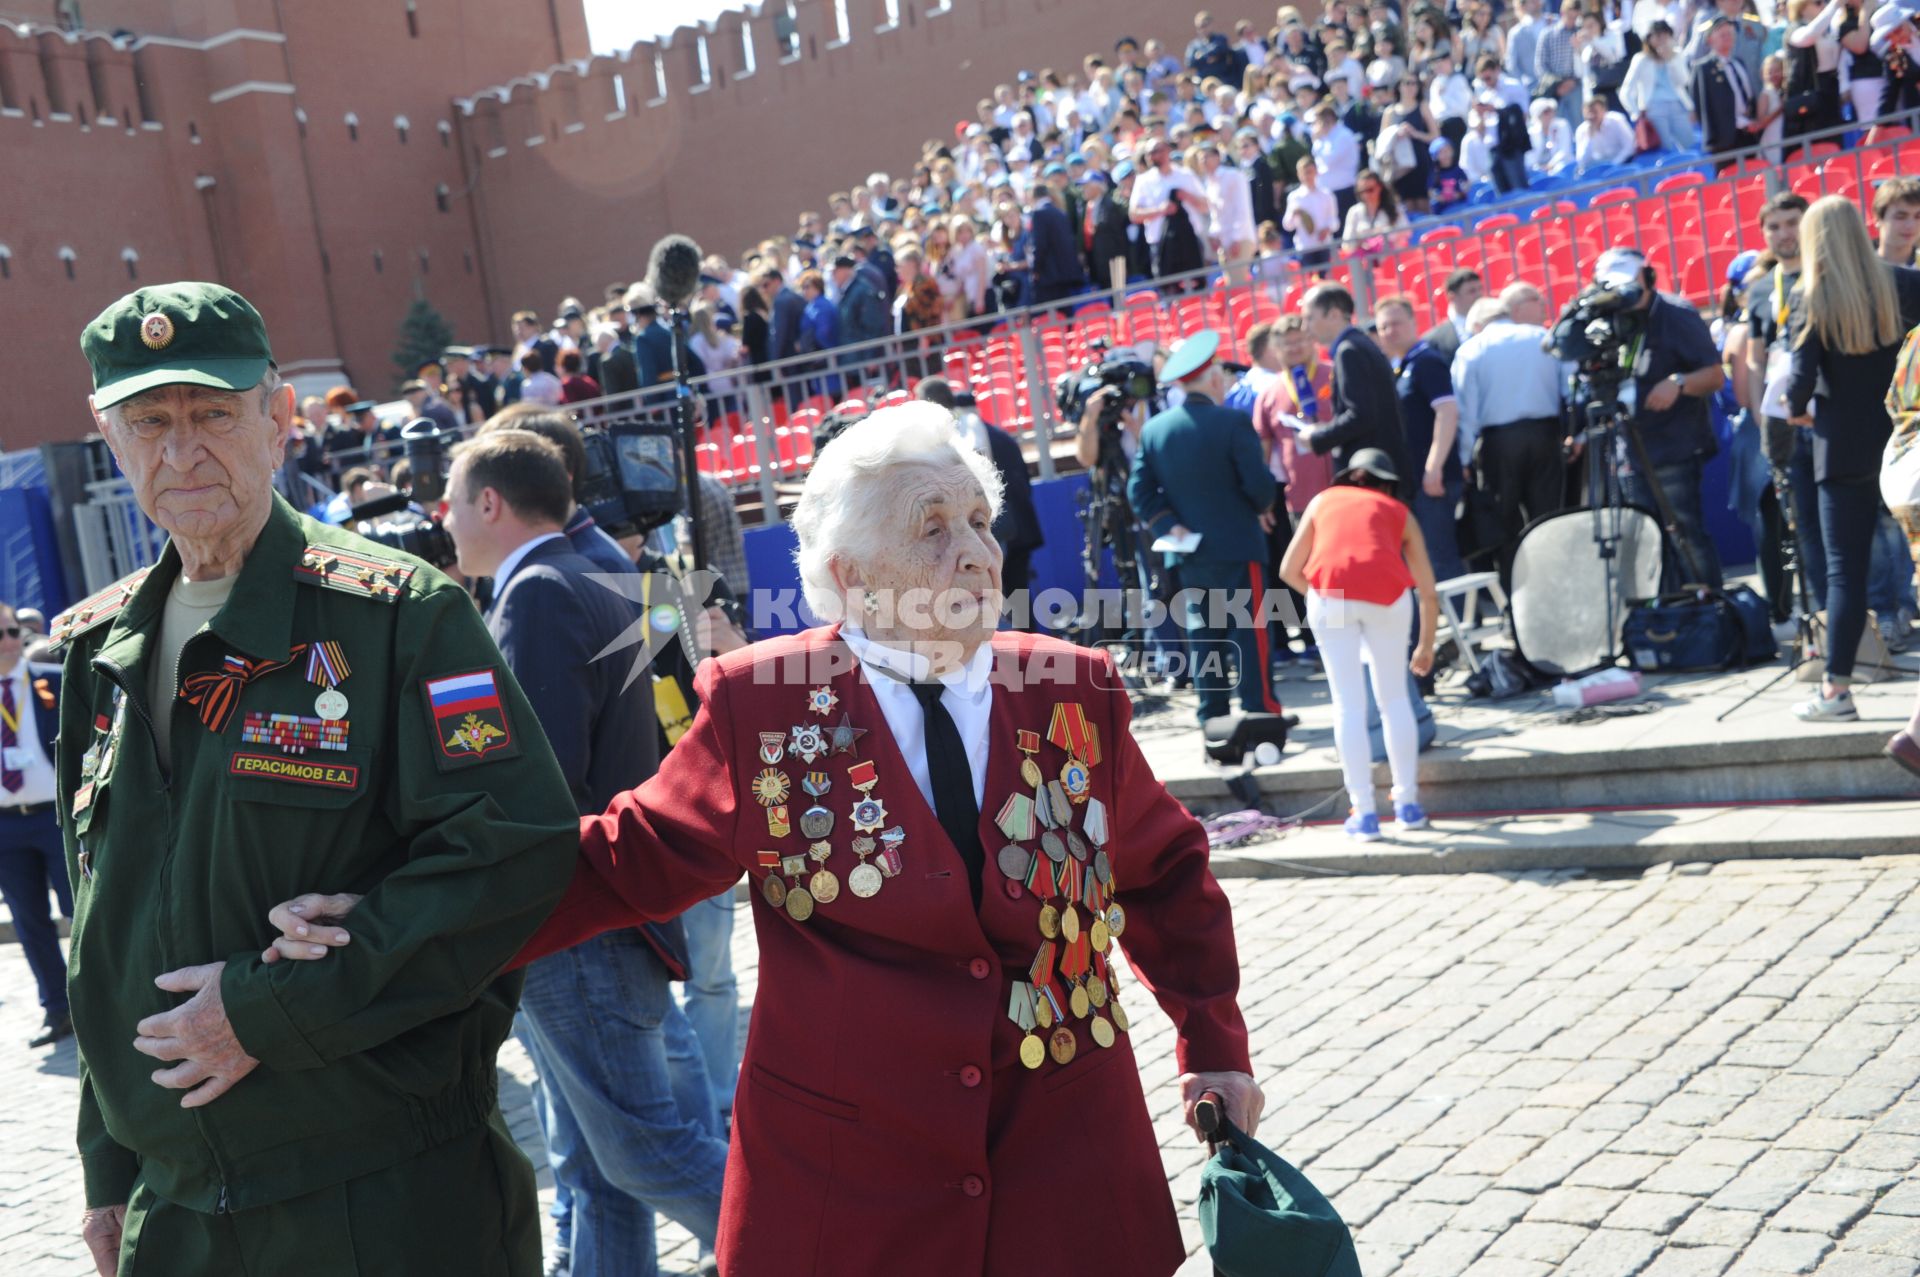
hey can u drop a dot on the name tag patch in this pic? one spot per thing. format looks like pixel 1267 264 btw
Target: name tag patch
pixel 275 767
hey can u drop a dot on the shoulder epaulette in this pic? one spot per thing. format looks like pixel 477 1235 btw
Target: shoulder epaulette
pixel 350 572
pixel 96 609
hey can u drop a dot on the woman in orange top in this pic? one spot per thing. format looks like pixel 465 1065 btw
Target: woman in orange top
pixel 1355 555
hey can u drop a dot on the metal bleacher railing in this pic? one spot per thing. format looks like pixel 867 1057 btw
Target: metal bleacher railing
pixel 1688 217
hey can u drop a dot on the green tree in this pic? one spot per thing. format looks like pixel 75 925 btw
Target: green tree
pixel 424 334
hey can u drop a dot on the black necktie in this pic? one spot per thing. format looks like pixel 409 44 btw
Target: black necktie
pixel 952 778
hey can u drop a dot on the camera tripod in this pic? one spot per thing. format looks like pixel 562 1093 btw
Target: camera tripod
pixel 1612 439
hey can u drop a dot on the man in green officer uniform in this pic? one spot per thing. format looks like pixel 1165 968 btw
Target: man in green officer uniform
pixel 277 703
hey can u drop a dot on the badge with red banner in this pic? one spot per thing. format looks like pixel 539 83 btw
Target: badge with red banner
pixel 470 721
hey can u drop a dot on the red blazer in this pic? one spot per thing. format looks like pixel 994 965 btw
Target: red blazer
pixel 884 1121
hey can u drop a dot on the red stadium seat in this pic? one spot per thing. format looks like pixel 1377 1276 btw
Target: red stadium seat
pixel 1692 177
pixel 1614 195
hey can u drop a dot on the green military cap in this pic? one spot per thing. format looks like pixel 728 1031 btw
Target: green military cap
pixel 175 334
pixel 1190 357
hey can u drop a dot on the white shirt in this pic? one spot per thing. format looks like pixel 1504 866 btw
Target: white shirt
pixel 968 699
pixel 1449 98
pixel 542 388
pixel 504 572
pixel 1338 155
pixel 1476 156
pixel 1232 198
pixel 1318 204
pixel 1152 188
pixel 1614 145
pixel 38 785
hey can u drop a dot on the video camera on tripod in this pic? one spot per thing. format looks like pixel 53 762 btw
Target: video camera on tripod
pixel 1105 513
pixel 1598 333
pixel 629 484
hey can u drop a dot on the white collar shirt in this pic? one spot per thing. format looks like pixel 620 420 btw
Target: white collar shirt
pixel 30 757
pixel 967 697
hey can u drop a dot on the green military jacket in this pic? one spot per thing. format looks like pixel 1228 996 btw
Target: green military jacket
pixel 345 724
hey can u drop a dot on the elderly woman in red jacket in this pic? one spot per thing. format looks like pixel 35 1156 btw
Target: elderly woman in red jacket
pixel 950 833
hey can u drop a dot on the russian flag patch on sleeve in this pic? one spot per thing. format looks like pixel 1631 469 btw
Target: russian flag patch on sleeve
pixel 469 719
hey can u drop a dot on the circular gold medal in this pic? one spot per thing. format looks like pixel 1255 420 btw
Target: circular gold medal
pixel 1061 1045
pixel 1077 1000
pixel 824 887
pixel 1043 1011
pixel 1033 1052
pixel 1120 1017
pixel 864 881
pixel 1070 923
pixel 1102 935
pixel 1116 920
pixel 1030 771
pixel 774 890
pixel 799 904
pixel 1097 991
pixel 1102 1032
pixel 1049 922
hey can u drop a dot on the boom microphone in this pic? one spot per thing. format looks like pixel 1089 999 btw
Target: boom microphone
pixel 673 271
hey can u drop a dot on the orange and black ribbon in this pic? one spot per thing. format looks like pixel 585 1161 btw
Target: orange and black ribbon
pixel 217 692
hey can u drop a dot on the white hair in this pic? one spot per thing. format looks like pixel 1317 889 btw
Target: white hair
pixel 1484 312
pixel 847 486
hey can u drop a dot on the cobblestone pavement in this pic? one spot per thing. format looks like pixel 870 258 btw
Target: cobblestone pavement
pixel 1699 1071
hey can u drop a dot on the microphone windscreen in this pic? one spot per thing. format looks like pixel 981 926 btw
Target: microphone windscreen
pixel 673 272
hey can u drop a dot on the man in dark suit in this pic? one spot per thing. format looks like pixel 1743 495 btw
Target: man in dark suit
pixel 1199 469
pixel 32 857
pixel 631 1123
pixel 1058 272
pixel 1261 176
pixel 1366 413
pixel 785 308
pixel 1017 528
pixel 1723 94
pixel 1105 232
pixel 1464 288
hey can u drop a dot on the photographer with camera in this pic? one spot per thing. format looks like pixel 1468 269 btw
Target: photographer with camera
pixel 1199 473
pixel 1676 369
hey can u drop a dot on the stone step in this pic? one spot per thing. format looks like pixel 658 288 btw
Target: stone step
pixel 1519 755
pixel 1627 839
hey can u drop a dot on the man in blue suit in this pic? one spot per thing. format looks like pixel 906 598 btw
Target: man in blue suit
pixel 1059 272
pixel 32 858
pixel 1199 470
pixel 630 1119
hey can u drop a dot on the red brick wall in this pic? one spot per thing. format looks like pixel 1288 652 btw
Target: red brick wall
pixel 297 209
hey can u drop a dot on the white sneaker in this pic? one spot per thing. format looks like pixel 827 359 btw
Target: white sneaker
pixel 1819 709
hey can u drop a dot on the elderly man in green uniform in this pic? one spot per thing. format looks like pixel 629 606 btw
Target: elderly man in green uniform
pixel 277 703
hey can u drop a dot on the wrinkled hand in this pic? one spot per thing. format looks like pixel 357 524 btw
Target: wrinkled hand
pixel 309 926
pixel 1241 1093
pixel 198 1035
pixel 1434 482
pixel 100 1229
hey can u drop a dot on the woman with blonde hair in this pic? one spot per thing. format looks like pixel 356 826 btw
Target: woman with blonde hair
pixel 972 268
pixel 1858 310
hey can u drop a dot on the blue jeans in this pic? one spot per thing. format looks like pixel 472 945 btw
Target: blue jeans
pixel 1849 509
pixel 1434 515
pixel 1890 578
pixel 1675 126
pixel 628 1112
pixel 1680 483
pixel 1208 585
pixel 713 995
